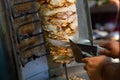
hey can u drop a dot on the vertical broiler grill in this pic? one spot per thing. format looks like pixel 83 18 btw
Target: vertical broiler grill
pixel 29 41
pixel 26 30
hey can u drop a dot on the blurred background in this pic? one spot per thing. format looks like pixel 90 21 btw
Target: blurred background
pixel 105 18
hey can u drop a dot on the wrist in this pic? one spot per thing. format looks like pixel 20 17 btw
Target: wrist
pixel 109 71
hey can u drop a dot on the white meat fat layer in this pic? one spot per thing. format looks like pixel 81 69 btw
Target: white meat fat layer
pixel 48 12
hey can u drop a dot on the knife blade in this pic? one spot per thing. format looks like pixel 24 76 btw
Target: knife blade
pixel 77 53
pixel 79 48
pixel 92 50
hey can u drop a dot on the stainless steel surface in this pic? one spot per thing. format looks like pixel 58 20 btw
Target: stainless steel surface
pixel 15 68
pixel 13 64
pixel 84 22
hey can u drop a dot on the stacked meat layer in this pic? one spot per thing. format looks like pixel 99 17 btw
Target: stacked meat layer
pixel 59 22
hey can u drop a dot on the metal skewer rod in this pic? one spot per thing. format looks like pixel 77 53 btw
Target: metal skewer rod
pixel 66 72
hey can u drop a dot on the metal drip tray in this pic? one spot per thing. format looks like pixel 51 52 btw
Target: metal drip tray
pixel 73 73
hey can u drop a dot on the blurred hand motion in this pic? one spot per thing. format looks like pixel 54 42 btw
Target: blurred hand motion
pixel 112 49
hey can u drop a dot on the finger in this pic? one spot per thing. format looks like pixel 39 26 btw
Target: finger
pixel 85 67
pixel 104 52
pixel 105 45
pixel 85 60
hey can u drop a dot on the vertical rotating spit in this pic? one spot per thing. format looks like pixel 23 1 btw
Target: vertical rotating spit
pixel 28 33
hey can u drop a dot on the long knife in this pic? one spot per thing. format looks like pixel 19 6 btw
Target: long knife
pixel 78 52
